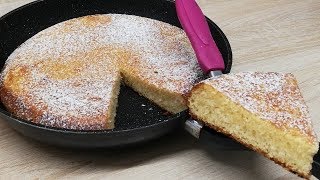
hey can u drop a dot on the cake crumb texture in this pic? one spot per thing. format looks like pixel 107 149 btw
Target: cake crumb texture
pixel 263 111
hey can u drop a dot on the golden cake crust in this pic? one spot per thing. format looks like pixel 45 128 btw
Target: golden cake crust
pixel 80 62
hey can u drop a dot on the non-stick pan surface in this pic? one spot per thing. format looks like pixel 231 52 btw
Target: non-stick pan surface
pixel 137 119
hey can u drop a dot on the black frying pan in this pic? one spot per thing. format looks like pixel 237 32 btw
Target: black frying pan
pixel 137 119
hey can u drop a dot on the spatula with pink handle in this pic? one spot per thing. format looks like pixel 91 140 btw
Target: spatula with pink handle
pixel 196 27
pixel 209 57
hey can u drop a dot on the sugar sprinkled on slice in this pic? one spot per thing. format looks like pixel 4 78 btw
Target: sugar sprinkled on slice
pixel 274 97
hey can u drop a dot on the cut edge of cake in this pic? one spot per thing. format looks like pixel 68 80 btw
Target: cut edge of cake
pixel 112 109
pixel 170 101
pixel 285 146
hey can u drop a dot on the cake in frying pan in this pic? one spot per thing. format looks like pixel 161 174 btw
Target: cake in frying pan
pixel 263 111
pixel 68 75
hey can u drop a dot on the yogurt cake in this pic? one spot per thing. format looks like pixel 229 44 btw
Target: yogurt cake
pixel 264 111
pixel 68 75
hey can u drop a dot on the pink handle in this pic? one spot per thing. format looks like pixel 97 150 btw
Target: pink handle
pixel 196 27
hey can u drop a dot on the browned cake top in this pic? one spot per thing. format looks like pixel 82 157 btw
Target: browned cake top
pixel 274 97
pixel 166 57
pixel 69 69
pixel 72 93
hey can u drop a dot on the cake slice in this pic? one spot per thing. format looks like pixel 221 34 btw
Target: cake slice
pixel 264 111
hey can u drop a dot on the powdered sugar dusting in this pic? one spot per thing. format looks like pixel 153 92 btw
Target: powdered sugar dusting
pixel 274 97
pixel 163 48
pixel 77 97
pixel 73 66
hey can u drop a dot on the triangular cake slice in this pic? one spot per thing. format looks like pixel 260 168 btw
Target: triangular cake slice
pixel 264 111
